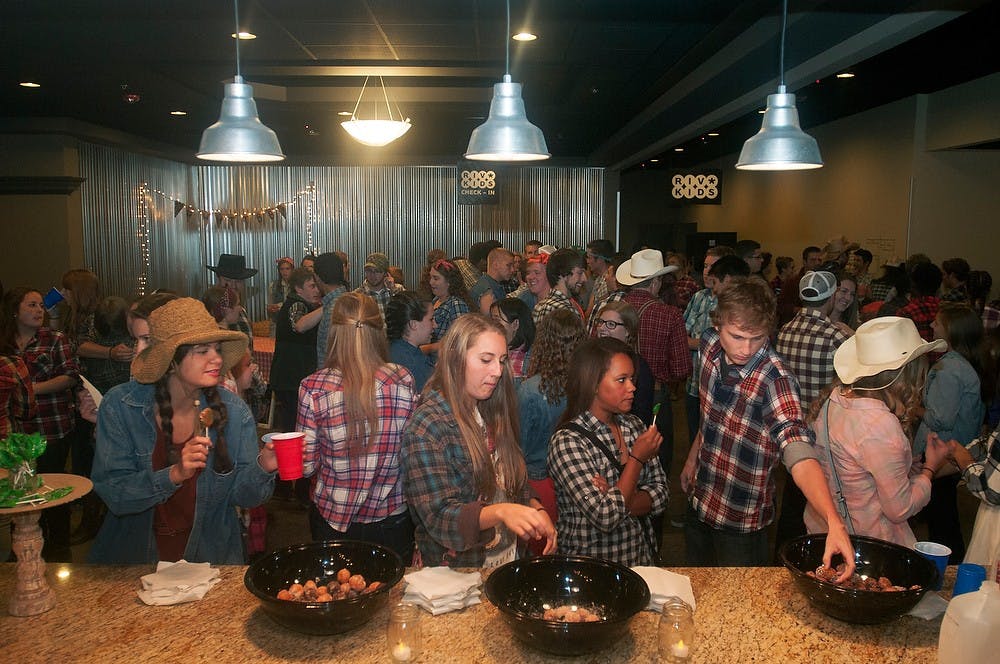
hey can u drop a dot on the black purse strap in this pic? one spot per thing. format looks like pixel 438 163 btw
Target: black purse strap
pixel 644 521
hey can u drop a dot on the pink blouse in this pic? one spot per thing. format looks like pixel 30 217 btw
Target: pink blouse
pixel 882 486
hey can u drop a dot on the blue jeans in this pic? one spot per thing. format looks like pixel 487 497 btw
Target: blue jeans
pixel 394 532
pixel 709 547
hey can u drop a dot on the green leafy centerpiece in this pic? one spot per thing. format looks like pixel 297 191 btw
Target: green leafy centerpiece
pixel 19 454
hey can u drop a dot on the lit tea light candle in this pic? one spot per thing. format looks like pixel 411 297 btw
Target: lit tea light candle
pixel 680 650
pixel 401 652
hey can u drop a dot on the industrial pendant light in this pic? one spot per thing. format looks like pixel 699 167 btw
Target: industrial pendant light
pixel 376 133
pixel 507 135
pixel 239 134
pixel 780 145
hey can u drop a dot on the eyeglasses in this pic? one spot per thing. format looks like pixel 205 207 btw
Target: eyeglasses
pixel 610 324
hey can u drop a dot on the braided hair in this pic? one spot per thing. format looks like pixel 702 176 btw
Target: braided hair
pixel 222 462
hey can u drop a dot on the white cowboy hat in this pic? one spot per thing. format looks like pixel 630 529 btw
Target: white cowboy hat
pixel 879 345
pixel 643 265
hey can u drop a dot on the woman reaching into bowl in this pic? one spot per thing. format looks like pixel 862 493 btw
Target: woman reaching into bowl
pixel 864 423
pixel 175 454
pixel 604 461
pixel 463 472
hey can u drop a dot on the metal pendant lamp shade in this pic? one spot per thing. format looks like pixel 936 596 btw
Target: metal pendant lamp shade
pixel 780 145
pixel 507 135
pixel 239 135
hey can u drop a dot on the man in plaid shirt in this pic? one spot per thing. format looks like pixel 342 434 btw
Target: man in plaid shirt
pixel 566 276
pixel 922 309
pixel 751 420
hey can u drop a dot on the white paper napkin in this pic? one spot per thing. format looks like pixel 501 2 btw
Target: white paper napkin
pixel 441 582
pixel 664 584
pixel 175 583
pixel 440 606
pixel 930 606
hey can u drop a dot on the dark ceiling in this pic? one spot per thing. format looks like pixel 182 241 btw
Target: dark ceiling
pixel 610 82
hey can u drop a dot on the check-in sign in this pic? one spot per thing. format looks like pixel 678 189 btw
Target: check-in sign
pixel 477 183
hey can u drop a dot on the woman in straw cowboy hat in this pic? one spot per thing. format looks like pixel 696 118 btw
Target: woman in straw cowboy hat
pixel 864 424
pixel 175 454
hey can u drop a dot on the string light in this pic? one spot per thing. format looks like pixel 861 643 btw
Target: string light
pixel 246 214
pixel 143 235
pixel 310 216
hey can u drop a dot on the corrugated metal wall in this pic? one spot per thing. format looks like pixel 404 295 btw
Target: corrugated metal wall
pixel 403 211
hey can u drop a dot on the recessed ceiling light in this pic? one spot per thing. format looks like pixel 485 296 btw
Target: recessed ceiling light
pixel 678 149
pixel 346 114
pixel 713 133
pixel 762 111
pixel 178 112
pixel 30 84
pixel 243 35
pixel 845 74
pixel 524 36
pixel 654 161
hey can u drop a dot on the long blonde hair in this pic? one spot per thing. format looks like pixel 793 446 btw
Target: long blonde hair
pixel 357 348
pixel 499 411
pixel 901 390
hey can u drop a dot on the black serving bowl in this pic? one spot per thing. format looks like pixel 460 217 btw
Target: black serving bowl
pixel 872 557
pixel 321 561
pixel 521 588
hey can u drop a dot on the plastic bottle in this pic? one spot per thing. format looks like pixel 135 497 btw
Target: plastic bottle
pixel 970 626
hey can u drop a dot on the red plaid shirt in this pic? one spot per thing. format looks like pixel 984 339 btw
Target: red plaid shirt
pixel 750 414
pixel 354 488
pixel 17 397
pixel 922 310
pixel 48 355
pixel 991 315
pixel 662 337
pixel 685 288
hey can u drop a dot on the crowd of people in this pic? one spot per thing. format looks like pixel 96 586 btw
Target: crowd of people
pixel 514 403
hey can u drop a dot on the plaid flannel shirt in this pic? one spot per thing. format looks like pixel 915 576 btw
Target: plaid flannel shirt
pixel 48 355
pixel 991 315
pixel 751 418
pixel 17 395
pixel 983 475
pixel 697 319
pixel 594 522
pixel 662 337
pixel 555 300
pixel 380 295
pixel 922 310
pixel 440 490
pixel 366 486
pixel 807 343
pixel 445 313
pixel 685 288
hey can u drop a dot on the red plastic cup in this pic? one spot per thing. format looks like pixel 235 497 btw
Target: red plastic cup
pixel 288 450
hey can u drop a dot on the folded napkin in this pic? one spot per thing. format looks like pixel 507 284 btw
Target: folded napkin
pixel 930 606
pixel 663 585
pixel 176 583
pixel 441 589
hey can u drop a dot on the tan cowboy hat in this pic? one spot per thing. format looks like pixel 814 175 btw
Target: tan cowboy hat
pixel 643 265
pixel 183 321
pixel 879 345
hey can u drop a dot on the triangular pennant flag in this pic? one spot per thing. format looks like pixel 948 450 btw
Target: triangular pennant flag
pixel 178 206
pixel 270 214
pixel 190 212
pixel 281 210
pixel 206 215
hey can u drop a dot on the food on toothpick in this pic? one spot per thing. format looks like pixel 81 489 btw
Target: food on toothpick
pixel 857 581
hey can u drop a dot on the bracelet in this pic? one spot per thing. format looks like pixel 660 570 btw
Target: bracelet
pixel 641 462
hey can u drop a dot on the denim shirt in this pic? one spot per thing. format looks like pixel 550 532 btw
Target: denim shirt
pixel 538 422
pixel 124 478
pixel 954 407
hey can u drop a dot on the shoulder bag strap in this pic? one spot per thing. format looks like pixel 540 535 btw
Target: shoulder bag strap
pixel 839 499
pixel 638 314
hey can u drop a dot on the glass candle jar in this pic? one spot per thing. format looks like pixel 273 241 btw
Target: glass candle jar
pixel 402 634
pixel 676 631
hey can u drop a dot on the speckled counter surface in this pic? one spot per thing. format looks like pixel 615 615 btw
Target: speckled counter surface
pixel 743 615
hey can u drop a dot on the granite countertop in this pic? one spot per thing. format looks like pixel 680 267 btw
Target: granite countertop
pixel 743 615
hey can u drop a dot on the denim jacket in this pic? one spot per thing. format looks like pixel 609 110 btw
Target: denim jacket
pixel 123 476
